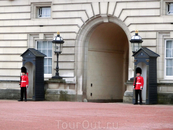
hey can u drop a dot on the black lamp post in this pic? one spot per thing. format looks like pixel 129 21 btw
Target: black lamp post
pixel 58 43
pixel 136 42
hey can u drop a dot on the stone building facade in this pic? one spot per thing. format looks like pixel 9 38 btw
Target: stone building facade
pixel 96 60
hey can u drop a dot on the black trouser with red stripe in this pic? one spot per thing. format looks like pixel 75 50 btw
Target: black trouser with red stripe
pixel 23 92
pixel 138 92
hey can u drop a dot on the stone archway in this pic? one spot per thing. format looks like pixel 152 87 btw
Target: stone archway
pixel 107 63
pixel 82 45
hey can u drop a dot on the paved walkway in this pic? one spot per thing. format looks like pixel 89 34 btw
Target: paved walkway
pixel 83 116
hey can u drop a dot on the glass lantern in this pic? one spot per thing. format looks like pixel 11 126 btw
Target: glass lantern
pixel 136 42
pixel 58 43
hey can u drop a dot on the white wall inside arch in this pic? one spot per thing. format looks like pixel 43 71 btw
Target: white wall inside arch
pixel 107 63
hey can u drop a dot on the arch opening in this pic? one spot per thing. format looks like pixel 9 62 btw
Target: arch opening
pixel 143 66
pixel 107 63
pixel 31 75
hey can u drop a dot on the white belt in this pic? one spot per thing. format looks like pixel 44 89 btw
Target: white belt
pixel 138 83
pixel 23 81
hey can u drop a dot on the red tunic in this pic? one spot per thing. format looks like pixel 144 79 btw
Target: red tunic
pixel 139 82
pixel 24 81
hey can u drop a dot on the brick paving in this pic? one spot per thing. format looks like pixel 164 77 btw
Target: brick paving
pixel 45 115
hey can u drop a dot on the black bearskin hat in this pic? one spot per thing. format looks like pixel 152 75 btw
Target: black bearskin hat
pixel 138 70
pixel 23 70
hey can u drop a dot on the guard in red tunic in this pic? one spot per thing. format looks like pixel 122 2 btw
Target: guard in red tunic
pixel 23 83
pixel 138 85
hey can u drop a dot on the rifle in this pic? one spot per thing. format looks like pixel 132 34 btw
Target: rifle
pixel 20 79
pixel 135 82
